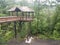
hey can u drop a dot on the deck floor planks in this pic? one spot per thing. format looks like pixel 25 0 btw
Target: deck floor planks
pixel 14 18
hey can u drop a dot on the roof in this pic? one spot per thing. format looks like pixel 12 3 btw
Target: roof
pixel 14 9
pixel 22 9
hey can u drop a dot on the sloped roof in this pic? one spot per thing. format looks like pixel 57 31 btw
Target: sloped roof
pixel 22 9
pixel 14 9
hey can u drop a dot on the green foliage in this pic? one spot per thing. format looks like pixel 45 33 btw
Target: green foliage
pixel 56 35
pixel 46 23
pixel 4 37
pixel 8 35
pixel 2 15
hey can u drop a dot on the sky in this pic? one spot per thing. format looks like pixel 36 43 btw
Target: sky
pixel 27 0
pixel 33 0
pixel 30 1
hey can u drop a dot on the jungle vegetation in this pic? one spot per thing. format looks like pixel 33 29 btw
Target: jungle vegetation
pixel 46 23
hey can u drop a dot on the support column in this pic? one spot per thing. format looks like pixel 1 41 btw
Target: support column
pixel 15 29
pixel 32 15
pixel 22 16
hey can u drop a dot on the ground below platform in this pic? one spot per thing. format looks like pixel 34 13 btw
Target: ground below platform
pixel 35 42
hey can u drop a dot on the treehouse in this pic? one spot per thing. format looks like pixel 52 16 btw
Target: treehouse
pixel 21 14
pixel 18 14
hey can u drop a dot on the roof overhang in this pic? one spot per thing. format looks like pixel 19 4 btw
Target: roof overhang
pixel 21 9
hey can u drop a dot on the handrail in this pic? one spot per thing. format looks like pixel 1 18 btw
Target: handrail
pixel 15 18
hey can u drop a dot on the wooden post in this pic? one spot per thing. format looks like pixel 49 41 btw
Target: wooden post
pixel 26 16
pixel 29 15
pixel 15 29
pixel 23 15
pixel 32 15
pixel 12 13
pixel 17 13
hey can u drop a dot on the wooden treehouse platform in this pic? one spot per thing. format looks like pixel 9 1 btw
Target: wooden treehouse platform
pixel 15 18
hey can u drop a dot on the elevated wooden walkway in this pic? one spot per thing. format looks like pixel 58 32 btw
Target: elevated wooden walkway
pixel 14 18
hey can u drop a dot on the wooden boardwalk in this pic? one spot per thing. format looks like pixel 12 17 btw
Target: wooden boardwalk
pixel 14 18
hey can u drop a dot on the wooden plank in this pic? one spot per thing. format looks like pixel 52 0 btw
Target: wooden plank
pixel 14 18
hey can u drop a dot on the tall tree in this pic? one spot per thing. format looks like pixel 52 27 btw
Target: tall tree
pixel 23 3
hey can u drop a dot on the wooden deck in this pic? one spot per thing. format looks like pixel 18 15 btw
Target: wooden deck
pixel 14 18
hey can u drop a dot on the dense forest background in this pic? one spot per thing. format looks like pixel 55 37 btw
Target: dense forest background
pixel 46 24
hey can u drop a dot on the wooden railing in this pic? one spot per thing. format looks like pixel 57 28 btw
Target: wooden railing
pixel 15 18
